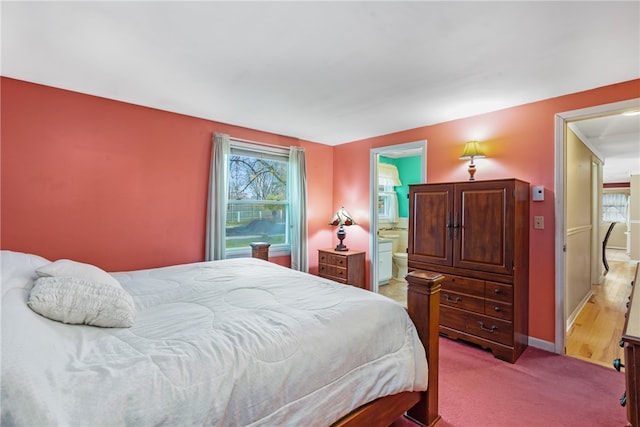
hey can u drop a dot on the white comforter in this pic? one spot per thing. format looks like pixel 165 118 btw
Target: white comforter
pixel 230 343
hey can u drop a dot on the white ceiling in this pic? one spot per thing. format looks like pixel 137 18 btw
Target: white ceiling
pixel 328 72
pixel 616 140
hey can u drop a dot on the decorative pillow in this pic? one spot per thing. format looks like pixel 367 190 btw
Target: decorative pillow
pixel 68 268
pixel 79 301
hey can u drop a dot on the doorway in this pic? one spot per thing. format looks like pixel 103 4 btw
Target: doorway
pixel 399 151
pixel 564 249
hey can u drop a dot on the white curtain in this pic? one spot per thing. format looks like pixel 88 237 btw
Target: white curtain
pixel 388 175
pixel 614 207
pixel 217 200
pixel 297 188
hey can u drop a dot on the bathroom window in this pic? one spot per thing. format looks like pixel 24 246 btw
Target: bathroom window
pixel 388 178
pixel 388 206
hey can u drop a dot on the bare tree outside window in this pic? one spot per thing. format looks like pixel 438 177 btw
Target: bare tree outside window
pixel 257 208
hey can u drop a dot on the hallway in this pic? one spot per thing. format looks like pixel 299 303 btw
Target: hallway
pixel 596 332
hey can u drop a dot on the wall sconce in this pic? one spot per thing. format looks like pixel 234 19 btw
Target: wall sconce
pixel 342 218
pixel 472 149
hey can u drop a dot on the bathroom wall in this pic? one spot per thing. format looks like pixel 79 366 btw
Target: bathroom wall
pixel 409 169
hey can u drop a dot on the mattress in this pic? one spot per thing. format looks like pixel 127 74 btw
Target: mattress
pixel 240 342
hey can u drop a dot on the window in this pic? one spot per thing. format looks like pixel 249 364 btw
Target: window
pixel 258 209
pixel 614 207
pixel 257 192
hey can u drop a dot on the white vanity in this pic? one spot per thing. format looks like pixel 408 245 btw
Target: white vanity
pixel 385 260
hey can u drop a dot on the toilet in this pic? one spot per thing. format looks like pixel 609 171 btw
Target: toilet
pixel 400 269
pixel 399 259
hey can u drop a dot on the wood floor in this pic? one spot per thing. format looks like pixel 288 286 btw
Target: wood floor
pixel 396 290
pixel 596 332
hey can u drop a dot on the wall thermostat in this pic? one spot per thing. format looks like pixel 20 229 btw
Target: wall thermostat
pixel 537 193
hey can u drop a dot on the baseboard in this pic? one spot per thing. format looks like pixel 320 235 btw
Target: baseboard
pixel 574 314
pixel 542 345
pixel 550 346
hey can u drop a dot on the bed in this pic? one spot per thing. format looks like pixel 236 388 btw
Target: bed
pixel 232 343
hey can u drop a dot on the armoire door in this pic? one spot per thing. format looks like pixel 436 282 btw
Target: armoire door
pixel 484 226
pixel 431 218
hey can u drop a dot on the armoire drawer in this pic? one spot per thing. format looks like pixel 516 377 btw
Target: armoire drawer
pixel 462 301
pixel 498 309
pixel 463 285
pixel 499 292
pixel 486 327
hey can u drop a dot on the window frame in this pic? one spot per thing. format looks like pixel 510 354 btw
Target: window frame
pixel 238 148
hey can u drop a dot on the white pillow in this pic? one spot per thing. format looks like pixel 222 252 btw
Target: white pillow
pixel 68 268
pixel 79 301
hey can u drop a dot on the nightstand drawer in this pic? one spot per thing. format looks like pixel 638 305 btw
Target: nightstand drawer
pixel 335 273
pixel 332 259
pixel 346 267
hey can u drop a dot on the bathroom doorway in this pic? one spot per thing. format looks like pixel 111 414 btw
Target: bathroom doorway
pixel 413 152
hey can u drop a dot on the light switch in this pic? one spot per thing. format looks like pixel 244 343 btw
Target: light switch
pixel 538 222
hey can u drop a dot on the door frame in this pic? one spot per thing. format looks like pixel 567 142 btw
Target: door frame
pixel 561 122
pixel 419 146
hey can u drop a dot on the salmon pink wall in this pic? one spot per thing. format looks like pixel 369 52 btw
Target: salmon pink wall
pixel 118 185
pixel 124 187
pixel 519 143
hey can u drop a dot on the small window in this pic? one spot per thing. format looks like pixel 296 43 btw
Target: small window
pixel 257 209
pixel 614 207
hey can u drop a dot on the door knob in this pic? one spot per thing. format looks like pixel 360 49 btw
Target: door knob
pixel 617 364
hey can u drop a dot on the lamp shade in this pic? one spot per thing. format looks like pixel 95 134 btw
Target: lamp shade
pixel 342 217
pixel 472 149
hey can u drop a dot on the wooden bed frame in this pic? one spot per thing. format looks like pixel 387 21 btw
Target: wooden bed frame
pixel 423 305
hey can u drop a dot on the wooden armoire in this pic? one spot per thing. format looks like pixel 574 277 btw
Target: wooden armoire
pixel 476 233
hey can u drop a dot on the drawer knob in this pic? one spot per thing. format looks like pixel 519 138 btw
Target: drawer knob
pixel 496 308
pixel 453 301
pixel 484 328
pixel 623 399
pixel 617 364
pixel 496 290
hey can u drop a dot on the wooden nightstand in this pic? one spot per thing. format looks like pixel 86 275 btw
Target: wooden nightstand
pixel 342 266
